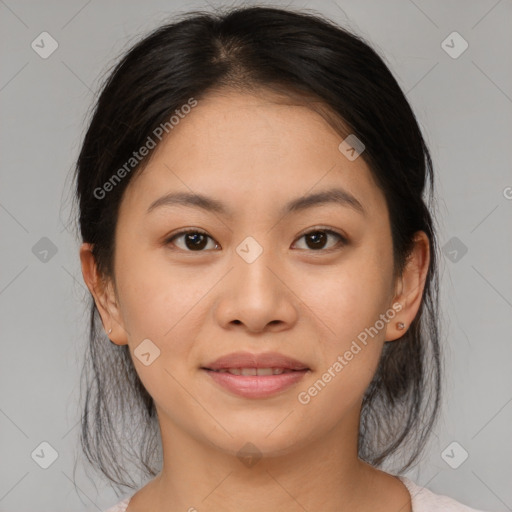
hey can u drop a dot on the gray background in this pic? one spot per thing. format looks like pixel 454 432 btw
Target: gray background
pixel 464 106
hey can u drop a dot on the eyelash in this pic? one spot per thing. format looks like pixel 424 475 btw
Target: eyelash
pixel 342 239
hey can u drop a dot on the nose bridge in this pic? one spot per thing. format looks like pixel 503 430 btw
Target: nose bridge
pixel 253 261
pixel 255 295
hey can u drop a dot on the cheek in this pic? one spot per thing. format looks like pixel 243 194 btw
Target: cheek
pixel 348 304
pixel 157 297
pixel 350 297
pixel 167 304
pixel 339 387
pixel 161 304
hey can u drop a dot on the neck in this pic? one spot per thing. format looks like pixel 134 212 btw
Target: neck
pixel 325 474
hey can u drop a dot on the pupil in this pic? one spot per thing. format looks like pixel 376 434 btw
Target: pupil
pixel 318 239
pixel 197 242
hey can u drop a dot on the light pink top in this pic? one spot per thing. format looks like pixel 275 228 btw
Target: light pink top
pixel 422 500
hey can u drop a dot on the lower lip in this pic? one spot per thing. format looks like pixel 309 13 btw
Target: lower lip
pixel 254 386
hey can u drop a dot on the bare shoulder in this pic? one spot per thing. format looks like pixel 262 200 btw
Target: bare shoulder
pixel 144 499
pixel 389 493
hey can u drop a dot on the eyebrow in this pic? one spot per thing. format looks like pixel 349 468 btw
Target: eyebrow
pixel 334 195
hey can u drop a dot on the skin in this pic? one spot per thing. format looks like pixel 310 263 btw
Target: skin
pixel 255 155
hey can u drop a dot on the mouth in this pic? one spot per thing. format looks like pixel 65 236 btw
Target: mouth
pixel 260 372
pixel 247 363
pixel 255 375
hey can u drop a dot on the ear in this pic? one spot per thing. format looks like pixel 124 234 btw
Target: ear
pixel 409 286
pixel 104 297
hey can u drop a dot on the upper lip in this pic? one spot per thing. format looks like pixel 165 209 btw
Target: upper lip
pixel 248 360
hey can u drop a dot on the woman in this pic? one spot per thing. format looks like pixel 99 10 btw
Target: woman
pixel 261 257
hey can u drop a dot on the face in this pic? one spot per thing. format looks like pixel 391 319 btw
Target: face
pixel 309 282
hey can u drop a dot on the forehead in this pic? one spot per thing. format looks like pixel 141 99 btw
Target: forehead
pixel 246 146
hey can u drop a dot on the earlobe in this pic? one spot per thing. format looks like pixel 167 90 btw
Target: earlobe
pixel 104 297
pixel 395 330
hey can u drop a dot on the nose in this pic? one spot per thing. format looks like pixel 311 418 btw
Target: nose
pixel 257 296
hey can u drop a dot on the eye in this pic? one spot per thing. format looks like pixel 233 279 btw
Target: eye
pixel 317 238
pixel 195 240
